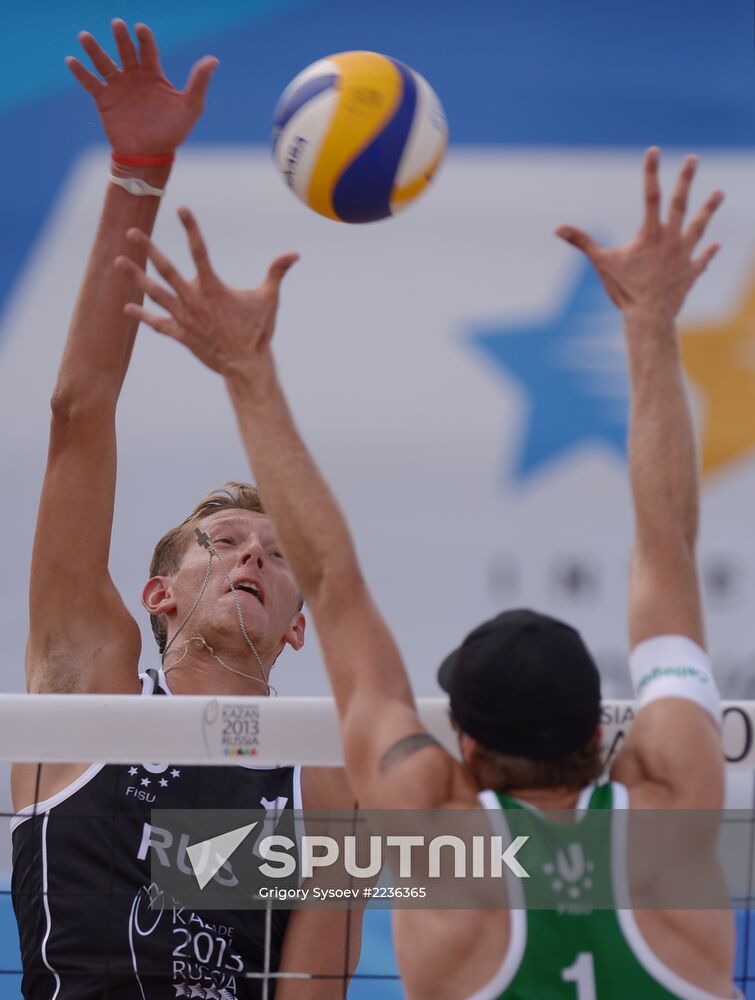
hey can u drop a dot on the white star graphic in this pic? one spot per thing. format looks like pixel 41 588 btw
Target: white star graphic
pixel 197 991
pixel 211 994
pixel 133 770
pixel 180 990
pixel 163 782
pixel 175 773
pixel 145 782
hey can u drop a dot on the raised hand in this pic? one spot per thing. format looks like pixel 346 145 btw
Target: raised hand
pixel 225 328
pixel 652 274
pixel 141 111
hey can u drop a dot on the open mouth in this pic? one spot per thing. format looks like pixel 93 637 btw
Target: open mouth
pixel 250 588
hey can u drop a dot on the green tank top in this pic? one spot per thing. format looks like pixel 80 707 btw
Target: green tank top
pixel 573 950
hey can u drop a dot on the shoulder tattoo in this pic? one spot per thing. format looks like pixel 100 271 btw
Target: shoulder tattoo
pixel 404 748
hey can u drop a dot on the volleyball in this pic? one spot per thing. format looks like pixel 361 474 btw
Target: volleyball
pixel 357 136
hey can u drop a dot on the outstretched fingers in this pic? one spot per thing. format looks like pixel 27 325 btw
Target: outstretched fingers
pixel 157 292
pixel 581 240
pixel 702 260
pixel 652 222
pixel 696 229
pixel 163 324
pixel 150 55
pixel 88 80
pixel 680 197
pixel 164 267
pixel 126 48
pixel 100 59
pixel 279 268
pixel 197 245
pixel 199 79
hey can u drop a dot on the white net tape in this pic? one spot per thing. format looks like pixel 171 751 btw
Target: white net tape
pixel 201 730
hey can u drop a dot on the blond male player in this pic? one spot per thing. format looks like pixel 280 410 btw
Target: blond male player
pixel 91 922
pixel 524 690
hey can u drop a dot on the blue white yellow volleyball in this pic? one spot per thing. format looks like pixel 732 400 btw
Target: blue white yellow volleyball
pixel 358 136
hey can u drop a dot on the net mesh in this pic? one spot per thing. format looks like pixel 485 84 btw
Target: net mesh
pixel 203 956
pixel 203 963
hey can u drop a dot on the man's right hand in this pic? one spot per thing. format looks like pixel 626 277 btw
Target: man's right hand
pixel 141 111
pixel 649 277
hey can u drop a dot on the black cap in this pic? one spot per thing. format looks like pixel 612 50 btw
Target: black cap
pixel 524 684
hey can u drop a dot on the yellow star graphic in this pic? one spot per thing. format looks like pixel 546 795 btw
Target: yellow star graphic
pixel 720 360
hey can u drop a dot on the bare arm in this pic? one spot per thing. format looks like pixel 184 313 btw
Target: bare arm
pixel 390 757
pixel 386 747
pixel 326 946
pixel 81 636
pixel 674 744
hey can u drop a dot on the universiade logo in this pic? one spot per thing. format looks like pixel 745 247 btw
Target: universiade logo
pixel 232 730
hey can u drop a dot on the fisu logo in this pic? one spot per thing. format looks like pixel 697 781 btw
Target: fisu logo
pixel 157 776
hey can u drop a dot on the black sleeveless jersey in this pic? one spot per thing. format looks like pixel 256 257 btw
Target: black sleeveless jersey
pixel 82 887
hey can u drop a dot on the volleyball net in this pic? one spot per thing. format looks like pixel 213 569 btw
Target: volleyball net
pixel 199 729
pixel 134 749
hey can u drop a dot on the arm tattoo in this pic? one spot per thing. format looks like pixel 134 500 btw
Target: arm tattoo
pixel 404 748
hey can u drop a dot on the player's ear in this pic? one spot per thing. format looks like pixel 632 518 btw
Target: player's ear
pixel 157 596
pixel 468 746
pixel 295 634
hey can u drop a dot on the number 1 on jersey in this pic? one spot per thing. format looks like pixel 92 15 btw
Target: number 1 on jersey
pixel 582 972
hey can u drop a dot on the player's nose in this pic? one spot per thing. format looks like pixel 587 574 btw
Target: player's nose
pixel 252 551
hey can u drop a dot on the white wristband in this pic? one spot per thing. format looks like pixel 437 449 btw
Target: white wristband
pixel 136 186
pixel 673 666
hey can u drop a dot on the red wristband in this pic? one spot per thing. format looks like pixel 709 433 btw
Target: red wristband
pixel 143 161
